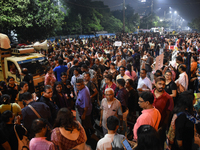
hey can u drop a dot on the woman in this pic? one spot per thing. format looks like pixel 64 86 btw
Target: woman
pixel 68 133
pixel 9 128
pixel 113 71
pixel 107 62
pixel 193 70
pixel 50 78
pixel 6 105
pixel 148 138
pixel 182 124
pixel 109 83
pixel 12 89
pixel 130 72
pixel 58 96
pixel 24 88
pixel 170 86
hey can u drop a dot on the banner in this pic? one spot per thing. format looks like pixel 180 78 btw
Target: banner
pixel 159 62
pixel 118 43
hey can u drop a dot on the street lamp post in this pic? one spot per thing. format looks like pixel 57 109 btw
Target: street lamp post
pixel 124 16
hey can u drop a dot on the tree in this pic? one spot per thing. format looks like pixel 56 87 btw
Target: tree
pixel 30 19
pixel 195 24
pixel 149 21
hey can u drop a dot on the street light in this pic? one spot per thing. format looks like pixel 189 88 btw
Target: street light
pixel 170 12
pixel 175 12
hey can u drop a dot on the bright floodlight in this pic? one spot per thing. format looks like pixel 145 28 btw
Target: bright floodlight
pixel 161 20
pixel 175 12
pixel 170 12
pixel 183 19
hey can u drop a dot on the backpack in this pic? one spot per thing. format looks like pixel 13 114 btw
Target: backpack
pixel 24 143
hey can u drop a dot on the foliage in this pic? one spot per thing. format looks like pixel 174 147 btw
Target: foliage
pixel 149 21
pixel 30 19
pixel 195 24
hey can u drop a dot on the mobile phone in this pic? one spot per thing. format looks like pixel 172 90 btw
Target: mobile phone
pixel 126 145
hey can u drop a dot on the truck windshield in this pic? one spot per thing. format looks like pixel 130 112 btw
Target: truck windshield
pixel 35 66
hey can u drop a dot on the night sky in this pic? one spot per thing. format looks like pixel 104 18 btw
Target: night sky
pixel 187 9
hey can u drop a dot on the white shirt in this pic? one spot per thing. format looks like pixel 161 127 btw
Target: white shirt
pixel 105 142
pixel 143 83
pixel 183 80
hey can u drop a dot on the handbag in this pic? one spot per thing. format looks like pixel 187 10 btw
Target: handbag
pixel 22 144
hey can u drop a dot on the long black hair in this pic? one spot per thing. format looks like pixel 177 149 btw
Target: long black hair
pixel 129 68
pixel 65 119
pixel 185 102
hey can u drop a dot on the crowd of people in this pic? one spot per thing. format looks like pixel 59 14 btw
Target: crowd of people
pixel 97 95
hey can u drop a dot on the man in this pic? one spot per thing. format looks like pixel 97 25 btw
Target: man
pixel 29 79
pixel 112 124
pixel 93 74
pixel 144 83
pixel 148 64
pixel 59 69
pixel 91 87
pixel 110 106
pixel 122 96
pixel 73 67
pixel 182 81
pixel 84 106
pixel 27 113
pixel 63 77
pixel 47 99
pixel 164 103
pixel 39 127
pixel 75 77
pixel 136 58
pixel 179 61
pixel 150 115
pixel 122 74
pixel 97 63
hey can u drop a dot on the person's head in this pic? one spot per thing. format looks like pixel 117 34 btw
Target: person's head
pixel 182 68
pixel 160 84
pixel 146 99
pixel 105 73
pixel 10 80
pixel 120 83
pixel 123 61
pixel 112 65
pixel 87 76
pixel 84 68
pixel 97 61
pixel 148 53
pixel 122 70
pixel 25 71
pixel 79 84
pixel 60 62
pixel 179 59
pixel 27 97
pixel 194 59
pixel 148 138
pixel 23 86
pixel 65 119
pixel 57 87
pixel 185 102
pixel 129 83
pixel 109 93
pixel 63 77
pixel 76 71
pixel 48 91
pixel 157 74
pixel 49 70
pixel 75 62
pixel 168 75
pixel 108 78
pixel 5 99
pixel 3 86
pixel 7 116
pixel 39 126
pixel 165 62
pixel 112 123
pixel 143 73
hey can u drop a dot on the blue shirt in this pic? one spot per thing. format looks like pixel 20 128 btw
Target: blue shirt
pixel 59 70
pixel 83 100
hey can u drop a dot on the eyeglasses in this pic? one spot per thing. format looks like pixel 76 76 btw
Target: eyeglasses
pixel 141 101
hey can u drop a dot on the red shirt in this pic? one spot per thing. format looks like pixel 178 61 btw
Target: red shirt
pixel 163 103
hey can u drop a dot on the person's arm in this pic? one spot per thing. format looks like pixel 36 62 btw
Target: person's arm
pixel 100 122
pixel 6 146
pixel 173 93
pixel 95 93
pixel 84 113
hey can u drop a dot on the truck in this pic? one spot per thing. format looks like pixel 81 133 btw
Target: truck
pixel 14 60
